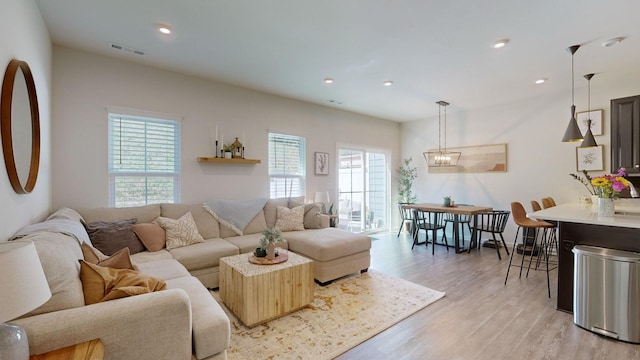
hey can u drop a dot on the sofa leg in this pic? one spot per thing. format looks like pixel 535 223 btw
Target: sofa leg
pixel 323 283
pixel 364 270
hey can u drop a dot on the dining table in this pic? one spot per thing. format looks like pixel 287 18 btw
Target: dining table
pixel 456 210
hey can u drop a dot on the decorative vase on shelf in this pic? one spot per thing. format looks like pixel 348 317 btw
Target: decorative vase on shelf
pixel 606 207
pixel 227 154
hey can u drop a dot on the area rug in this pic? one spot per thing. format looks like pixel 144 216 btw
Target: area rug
pixel 343 314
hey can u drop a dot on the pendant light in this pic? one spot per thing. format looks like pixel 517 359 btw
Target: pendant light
pixel 589 140
pixel 442 157
pixel 573 132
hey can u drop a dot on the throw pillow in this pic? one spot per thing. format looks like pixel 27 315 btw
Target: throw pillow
pixel 104 283
pixel 290 219
pixel 152 235
pixel 120 260
pixel 181 232
pixel 111 236
pixel 311 214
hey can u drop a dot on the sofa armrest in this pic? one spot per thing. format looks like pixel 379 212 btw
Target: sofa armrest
pixel 323 221
pixel 148 326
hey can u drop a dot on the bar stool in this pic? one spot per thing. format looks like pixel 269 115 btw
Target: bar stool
pixel 548 202
pixel 520 218
pixel 535 205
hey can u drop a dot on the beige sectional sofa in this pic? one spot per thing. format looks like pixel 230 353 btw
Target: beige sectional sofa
pixel 183 321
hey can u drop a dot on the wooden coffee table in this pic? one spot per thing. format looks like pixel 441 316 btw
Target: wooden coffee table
pixel 259 293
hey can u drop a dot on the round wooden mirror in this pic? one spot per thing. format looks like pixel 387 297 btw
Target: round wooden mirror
pixel 20 126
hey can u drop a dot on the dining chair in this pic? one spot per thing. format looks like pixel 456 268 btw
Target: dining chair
pixel 462 220
pixel 406 215
pixel 493 222
pixel 528 226
pixel 429 221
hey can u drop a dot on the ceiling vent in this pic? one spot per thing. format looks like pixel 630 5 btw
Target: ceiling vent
pixel 126 49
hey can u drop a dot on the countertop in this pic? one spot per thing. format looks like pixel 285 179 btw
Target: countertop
pixel 627 215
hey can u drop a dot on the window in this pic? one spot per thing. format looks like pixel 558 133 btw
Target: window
pixel 144 160
pixel 286 165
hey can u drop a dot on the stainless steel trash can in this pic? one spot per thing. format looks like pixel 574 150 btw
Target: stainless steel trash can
pixel 606 292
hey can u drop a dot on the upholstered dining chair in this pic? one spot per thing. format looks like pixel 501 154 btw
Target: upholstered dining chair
pixel 528 226
pixel 429 221
pixel 493 222
pixel 406 215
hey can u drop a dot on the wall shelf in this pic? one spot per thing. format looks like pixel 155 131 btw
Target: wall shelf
pixel 228 161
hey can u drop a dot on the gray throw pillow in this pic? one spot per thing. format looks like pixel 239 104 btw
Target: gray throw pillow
pixel 111 236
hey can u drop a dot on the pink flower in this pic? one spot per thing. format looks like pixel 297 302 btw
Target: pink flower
pixel 618 186
pixel 622 172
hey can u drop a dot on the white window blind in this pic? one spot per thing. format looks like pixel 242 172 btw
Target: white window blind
pixel 144 160
pixel 286 165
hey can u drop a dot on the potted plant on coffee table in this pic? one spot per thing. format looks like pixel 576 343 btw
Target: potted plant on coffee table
pixel 270 237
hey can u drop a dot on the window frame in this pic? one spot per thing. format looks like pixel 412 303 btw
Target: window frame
pixel 146 118
pixel 276 173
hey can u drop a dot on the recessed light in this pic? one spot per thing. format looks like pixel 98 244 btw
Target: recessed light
pixel 165 29
pixel 612 42
pixel 328 80
pixel 540 81
pixel 388 83
pixel 500 43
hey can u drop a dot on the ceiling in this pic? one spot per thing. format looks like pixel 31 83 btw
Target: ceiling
pixel 431 50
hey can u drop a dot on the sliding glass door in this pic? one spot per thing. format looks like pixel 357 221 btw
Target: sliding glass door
pixel 362 190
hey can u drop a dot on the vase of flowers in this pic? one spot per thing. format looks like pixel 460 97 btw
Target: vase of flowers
pixel 608 188
pixel 270 237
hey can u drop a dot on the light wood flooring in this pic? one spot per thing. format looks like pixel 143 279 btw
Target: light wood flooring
pixel 480 317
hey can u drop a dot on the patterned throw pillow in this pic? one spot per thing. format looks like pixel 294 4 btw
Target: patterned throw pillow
pixel 181 232
pixel 290 219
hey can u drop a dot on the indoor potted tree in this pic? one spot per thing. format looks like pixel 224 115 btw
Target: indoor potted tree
pixel 407 174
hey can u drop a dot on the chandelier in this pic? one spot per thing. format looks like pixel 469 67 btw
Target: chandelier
pixel 442 157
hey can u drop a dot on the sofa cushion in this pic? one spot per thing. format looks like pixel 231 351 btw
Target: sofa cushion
pixel 180 232
pixel 59 255
pixel 120 260
pixel 326 244
pixel 249 243
pixel 111 236
pixel 290 219
pixel 152 235
pixel 66 213
pixel 103 283
pixel 255 226
pixel 271 212
pixel 147 256
pixel 211 325
pixel 203 255
pixel 143 214
pixel 164 269
pixel 207 225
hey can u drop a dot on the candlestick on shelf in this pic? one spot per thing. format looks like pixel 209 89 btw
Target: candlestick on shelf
pixel 216 145
pixel 243 152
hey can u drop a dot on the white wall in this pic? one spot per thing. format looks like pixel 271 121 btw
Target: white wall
pixel 86 84
pixel 25 37
pixel 538 163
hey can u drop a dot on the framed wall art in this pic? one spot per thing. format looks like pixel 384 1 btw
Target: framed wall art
pixel 590 158
pixel 596 121
pixel 477 159
pixel 321 163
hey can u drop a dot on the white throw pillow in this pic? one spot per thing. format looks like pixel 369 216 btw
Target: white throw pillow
pixel 290 219
pixel 181 232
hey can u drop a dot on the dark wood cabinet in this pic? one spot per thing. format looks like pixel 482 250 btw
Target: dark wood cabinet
pixel 625 134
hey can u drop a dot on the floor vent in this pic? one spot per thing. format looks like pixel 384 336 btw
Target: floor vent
pixel 126 49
